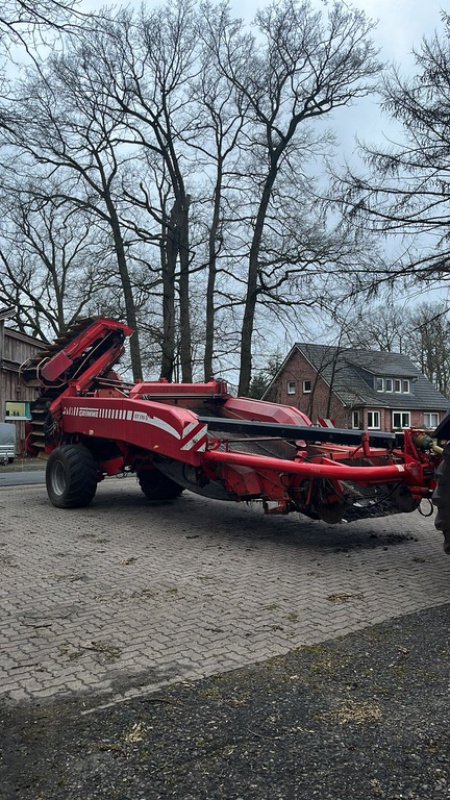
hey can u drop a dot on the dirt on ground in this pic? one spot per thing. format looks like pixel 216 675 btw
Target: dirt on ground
pixel 363 716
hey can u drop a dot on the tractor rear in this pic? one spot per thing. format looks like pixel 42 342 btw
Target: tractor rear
pixel 90 424
pixel 441 495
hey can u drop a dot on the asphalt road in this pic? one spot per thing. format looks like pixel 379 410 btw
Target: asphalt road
pixel 25 478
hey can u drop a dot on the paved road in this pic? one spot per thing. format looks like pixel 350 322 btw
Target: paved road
pixel 24 478
pixel 122 598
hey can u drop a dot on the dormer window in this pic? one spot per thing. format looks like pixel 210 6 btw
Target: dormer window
pixel 397 385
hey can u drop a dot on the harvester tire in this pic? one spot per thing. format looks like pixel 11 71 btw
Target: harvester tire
pixel 157 487
pixel 71 476
pixel 441 498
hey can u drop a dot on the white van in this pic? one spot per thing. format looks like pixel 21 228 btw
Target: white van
pixel 7 442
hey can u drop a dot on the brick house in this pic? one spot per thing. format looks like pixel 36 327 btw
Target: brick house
pixel 357 388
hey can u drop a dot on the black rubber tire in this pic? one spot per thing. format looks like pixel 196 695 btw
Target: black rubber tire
pixel 71 476
pixel 441 498
pixel 158 487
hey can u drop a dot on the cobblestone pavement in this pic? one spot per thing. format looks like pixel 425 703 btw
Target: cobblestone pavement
pixel 122 598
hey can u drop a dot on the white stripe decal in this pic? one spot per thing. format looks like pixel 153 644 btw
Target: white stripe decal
pixel 189 428
pixel 201 434
pixel 141 416
pixel 189 441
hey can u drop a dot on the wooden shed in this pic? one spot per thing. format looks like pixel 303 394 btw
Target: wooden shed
pixel 15 348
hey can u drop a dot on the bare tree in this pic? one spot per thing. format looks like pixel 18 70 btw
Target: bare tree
pixel 186 140
pixel 217 135
pixel 62 125
pixel 26 25
pixel 427 343
pixel 420 332
pixel 404 192
pixel 300 67
pixel 20 18
pixel 375 326
pixel 148 65
pixel 49 257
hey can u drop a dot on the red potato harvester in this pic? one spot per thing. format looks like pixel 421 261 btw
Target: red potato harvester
pixel 196 436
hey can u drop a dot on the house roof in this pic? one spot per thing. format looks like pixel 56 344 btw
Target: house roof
pixel 350 372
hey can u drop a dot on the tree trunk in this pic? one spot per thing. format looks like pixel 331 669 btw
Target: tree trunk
pixel 185 314
pixel 212 276
pixel 168 263
pixel 130 310
pixel 245 373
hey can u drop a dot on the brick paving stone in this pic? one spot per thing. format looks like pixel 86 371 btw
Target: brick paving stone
pixel 124 597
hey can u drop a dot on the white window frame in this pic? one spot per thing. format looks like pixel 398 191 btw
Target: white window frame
pixel 402 414
pixel 379 384
pixel 408 386
pixel 399 382
pixel 356 419
pixel 431 425
pixel 291 387
pixel 375 425
pixel 388 381
pixel 305 390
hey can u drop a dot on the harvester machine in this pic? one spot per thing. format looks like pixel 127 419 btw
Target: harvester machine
pixel 90 424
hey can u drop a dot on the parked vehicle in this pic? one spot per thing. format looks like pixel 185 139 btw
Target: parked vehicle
pixel 7 442
pixel 197 436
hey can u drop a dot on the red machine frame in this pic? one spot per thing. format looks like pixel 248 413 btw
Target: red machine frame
pixel 197 436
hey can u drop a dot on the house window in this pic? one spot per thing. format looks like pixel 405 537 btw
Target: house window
pixel 355 419
pixel 405 386
pixel 379 384
pixel 373 420
pixel 401 419
pixel 388 384
pixel 307 387
pixel 291 387
pixel 397 385
pixel 431 419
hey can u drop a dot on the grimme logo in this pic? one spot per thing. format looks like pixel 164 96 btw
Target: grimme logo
pixel 88 412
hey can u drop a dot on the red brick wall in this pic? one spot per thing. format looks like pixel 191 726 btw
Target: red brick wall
pixel 314 404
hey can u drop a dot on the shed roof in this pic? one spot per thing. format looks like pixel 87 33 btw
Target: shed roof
pixel 24 337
